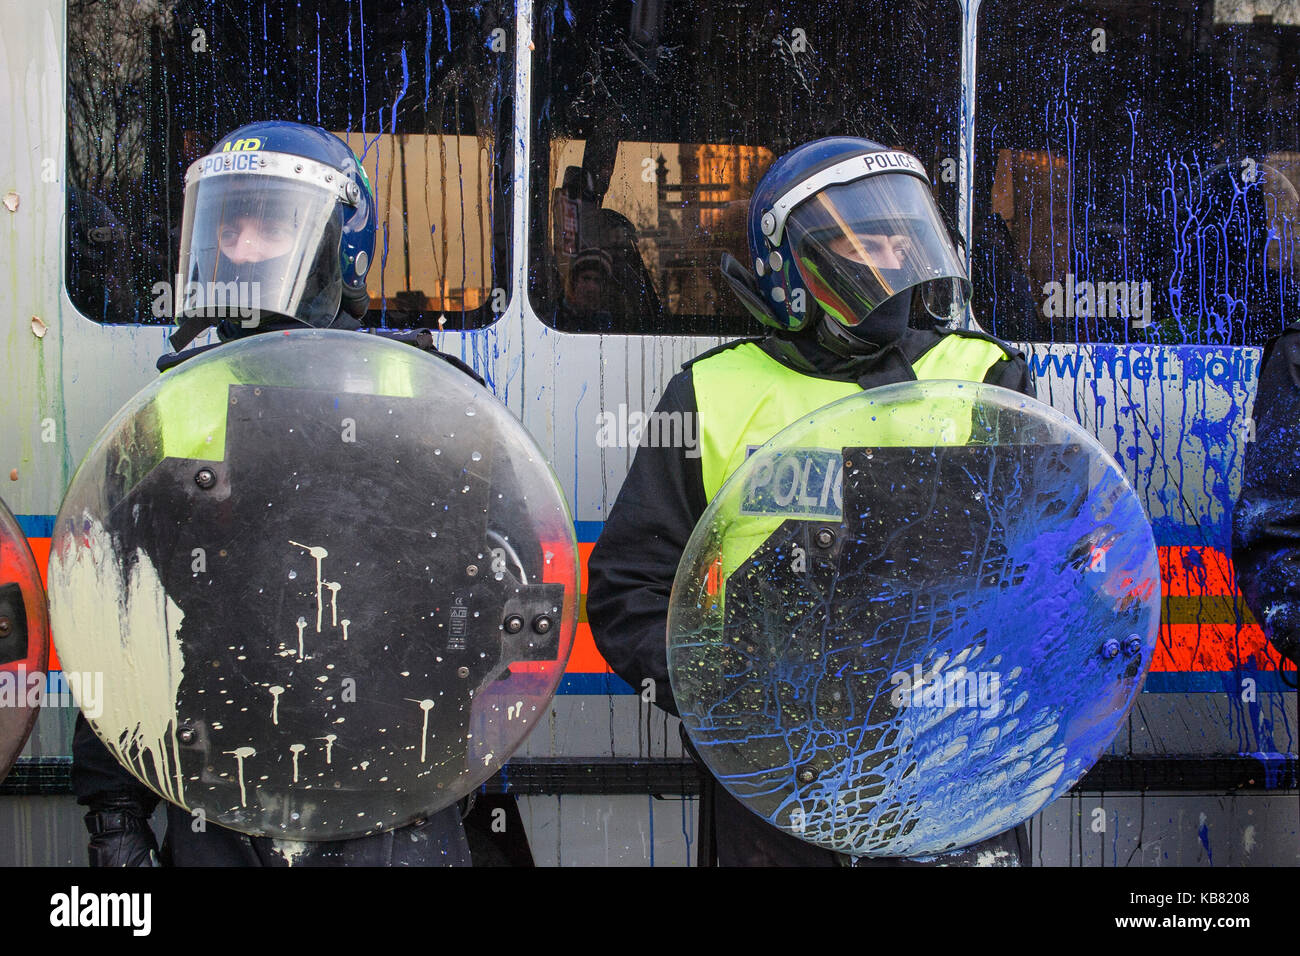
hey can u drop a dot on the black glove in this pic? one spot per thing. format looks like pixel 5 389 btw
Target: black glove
pixel 120 834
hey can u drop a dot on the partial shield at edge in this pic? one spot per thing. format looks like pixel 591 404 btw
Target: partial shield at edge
pixel 24 640
pixel 914 618
pixel 330 581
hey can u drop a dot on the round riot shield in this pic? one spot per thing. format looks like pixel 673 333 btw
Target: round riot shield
pixel 913 618
pixel 24 640
pixel 330 581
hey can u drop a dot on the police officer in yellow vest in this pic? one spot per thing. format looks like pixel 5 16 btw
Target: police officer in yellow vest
pixel 848 248
pixel 278 234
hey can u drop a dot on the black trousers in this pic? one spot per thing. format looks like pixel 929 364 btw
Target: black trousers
pixel 437 841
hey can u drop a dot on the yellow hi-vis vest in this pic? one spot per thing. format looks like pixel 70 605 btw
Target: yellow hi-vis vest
pixel 191 406
pixel 744 397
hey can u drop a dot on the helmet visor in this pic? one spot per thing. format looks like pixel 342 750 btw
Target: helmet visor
pixel 261 239
pixel 859 244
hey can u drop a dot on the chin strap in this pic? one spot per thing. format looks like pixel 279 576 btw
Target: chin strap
pixel 836 338
pixel 356 302
pixel 227 329
pixel 886 324
pixel 189 330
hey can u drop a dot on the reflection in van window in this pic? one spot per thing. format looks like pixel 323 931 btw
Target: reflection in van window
pixel 422 92
pixel 1136 170
pixel 653 123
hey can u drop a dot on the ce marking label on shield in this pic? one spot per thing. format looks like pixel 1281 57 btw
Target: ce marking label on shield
pixel 459 625
pixel 797 482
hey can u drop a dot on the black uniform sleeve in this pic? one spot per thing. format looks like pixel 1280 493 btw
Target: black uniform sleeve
pixel 631 570
pixel 1012 373
pixel 1266 518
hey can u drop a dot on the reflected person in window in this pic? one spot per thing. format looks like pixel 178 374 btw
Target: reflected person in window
pixel 584 304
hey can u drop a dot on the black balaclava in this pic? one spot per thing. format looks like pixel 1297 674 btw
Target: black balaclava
pixel 316 292
pixel 887 323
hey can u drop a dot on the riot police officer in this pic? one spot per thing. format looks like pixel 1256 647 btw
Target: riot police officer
pixel 848 248
pixel 278 233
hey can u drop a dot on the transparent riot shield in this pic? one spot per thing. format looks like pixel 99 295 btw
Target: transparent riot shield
pixel 913 618
pixel 330 581
pixel 24 640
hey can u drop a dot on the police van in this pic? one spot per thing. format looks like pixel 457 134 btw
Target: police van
pixel 557 182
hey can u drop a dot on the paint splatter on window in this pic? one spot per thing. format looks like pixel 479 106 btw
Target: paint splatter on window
pixel 1136 171
pixel 422 92
pixel 653 123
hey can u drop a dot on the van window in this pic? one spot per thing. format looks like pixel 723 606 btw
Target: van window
pixel 422 92
pixel 653 122
pixel 1136 171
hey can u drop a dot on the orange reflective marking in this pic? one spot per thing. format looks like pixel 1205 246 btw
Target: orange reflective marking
pixel 1195 635
pixel 1187 571
pixel 1213 647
